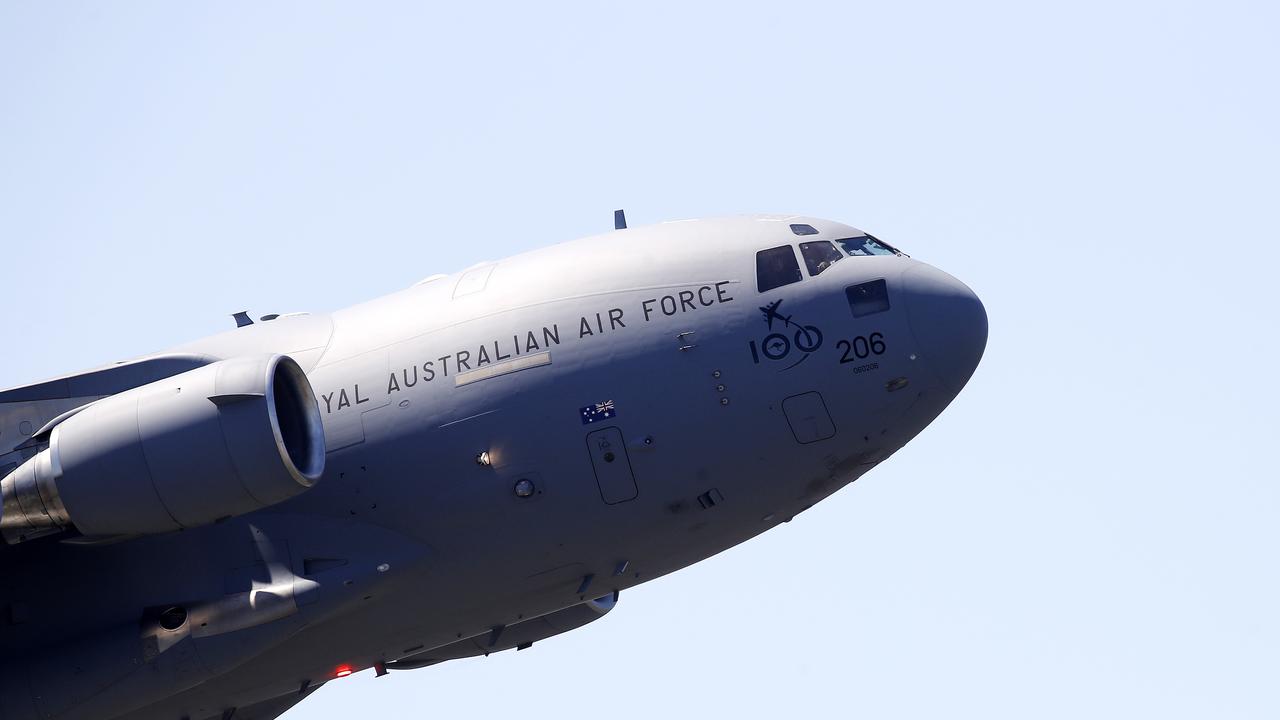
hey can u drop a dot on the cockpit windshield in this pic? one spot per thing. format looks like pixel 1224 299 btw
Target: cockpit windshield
pixel 867 245
pixel 819 256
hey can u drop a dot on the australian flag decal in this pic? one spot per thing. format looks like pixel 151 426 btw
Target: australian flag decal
pixel 600 411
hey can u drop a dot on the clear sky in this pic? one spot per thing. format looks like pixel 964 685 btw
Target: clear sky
pixel 1089 531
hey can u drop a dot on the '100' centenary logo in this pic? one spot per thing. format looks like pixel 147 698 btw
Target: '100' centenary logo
pixel 779 343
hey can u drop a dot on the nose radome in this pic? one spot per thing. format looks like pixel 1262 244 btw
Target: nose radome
pixel 948 321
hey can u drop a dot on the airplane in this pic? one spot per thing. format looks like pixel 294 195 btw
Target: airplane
pixel 473 464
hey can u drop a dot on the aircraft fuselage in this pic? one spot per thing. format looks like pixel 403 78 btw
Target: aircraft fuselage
pixel 504 443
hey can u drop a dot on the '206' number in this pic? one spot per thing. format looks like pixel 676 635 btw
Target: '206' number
pixel 860 348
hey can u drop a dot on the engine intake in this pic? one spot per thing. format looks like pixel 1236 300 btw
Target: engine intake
pixel 219 441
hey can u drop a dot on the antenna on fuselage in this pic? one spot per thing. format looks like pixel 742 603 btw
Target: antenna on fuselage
pixel 619 220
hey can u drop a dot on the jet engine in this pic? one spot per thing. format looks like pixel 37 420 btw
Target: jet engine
pixel 222 440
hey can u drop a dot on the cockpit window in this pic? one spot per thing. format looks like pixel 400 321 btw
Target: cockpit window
pixel 867 245
pixel 776 267
pixel 819 256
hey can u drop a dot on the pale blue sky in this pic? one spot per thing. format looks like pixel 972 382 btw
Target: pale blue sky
pixel 1090 530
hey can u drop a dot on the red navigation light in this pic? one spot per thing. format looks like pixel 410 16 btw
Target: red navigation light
pixel 342 671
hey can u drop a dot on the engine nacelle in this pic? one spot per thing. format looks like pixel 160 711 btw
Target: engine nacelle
pixel 219 441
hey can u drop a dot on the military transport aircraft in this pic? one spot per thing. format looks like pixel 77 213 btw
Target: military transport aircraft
pixel 473 464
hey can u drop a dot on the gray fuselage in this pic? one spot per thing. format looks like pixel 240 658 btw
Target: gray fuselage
pixel 652 406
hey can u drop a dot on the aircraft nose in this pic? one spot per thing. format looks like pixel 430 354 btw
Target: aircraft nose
pixel 948 321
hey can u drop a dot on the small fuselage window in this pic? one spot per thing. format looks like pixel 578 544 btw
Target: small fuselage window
pixel 868 298
pixel 866 245
pixel 819 256
pixel 776 267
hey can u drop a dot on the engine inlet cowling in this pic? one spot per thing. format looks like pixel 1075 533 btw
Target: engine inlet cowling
pixel 219 441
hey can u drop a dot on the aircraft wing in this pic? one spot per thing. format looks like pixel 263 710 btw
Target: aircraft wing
pixel 24 410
